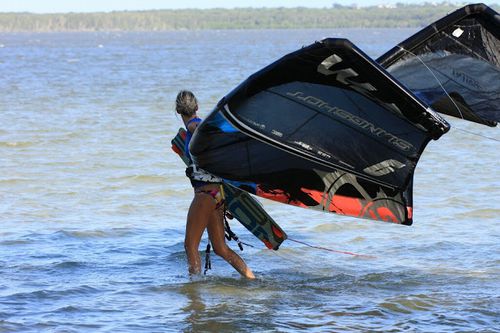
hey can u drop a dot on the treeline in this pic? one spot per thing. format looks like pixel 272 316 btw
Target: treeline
pixel 336 16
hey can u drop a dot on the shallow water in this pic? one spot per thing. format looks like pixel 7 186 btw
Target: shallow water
pixel 93 203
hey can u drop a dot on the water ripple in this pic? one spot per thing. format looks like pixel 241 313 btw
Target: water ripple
pixel 93 203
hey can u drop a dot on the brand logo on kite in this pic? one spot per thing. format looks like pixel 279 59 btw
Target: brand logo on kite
pixel 352 119
pixel 466 79
pixel 253 122
pixel 384 168
pixel 344 75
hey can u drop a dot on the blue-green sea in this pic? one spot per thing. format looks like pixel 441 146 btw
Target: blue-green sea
pixel 93 203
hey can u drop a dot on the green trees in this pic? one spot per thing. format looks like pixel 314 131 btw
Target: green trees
pixel 336 16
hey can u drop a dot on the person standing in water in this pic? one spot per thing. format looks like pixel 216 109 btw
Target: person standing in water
pixel 207 208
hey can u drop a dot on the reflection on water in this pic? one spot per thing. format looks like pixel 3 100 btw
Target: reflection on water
pixel 194 308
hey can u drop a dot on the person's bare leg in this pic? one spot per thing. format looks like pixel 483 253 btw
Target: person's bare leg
pixel 216 234
pixel 199 212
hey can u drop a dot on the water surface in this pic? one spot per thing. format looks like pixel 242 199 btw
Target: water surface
pixel 93 203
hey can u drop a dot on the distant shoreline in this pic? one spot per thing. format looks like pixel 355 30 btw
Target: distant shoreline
pixel 337 16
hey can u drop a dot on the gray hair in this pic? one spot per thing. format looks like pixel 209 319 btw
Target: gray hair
pixel 186 103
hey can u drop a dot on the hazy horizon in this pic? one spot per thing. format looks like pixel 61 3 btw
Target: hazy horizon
pixel 54 6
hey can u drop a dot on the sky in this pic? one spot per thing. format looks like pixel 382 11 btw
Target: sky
pixel 62 6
